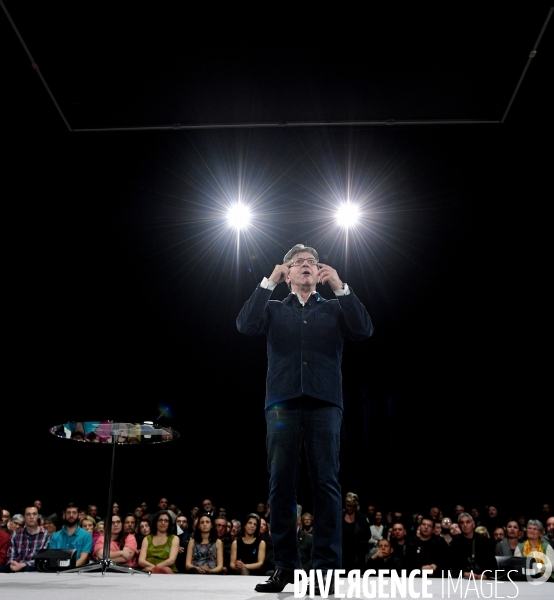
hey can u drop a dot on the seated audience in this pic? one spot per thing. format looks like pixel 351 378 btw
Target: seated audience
pixel 384 558
pixel 98 530
pixel 51 523
pixel 307 523
pixel 123 548
pixel 248 550
pixel 472 554
pixel 498 534
pixel 88 524
pixel 398 542
pixel 159 549
pixel 236 528
pixel 25 543
pixel 143 531
pixel 481 530
pixel 226 539
pixel 377 530
pixel 16 523
pixel 534 544
pixel 355 534
pixel 446 524
pixel 549 537
pixel 72 536
pixel 422 551
pixel 204 551
pixel 265 534
pixel 507 546
pixel 92 511
pixel 5 518
pixel 4 543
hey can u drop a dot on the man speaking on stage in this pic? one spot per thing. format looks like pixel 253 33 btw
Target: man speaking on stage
pixel 303 403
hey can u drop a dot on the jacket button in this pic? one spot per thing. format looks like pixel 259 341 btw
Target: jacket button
pixel 304 363
pixel 305 322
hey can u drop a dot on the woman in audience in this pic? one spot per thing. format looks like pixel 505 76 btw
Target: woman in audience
pixel 98 531
pixel 88 524
pixel 534 544
pixel 143 531
pixel 248 551
pixel 377 530
pixel 204 550
pixel 159 549
pixel 123 548
pixel 507 546
pixel 307 522
pixel 51 523
pixel 483 531
pixel 265 535
pixel 355 535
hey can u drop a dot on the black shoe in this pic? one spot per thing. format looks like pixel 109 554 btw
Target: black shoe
pixel 277 582
pixel 331 592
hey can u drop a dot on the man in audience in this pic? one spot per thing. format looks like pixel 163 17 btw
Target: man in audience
pixel 498 534
pixel 208 507
pixel 92 511
pixel 472 554
pixel 38 504
pixel 183 523
pixel 458 510
pixel 370 514
pixel 422 551
pixel 226 539
pixel 72 536
pixel 130 524
pixel 4 543
pixel 398 540
pixel 163 504
pixel 549 537
pixel 5 518
pixel 477 518
pixel 435 513
pixel 25 543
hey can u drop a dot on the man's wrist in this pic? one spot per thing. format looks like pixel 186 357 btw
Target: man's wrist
pixel 344 290
pixel 267 284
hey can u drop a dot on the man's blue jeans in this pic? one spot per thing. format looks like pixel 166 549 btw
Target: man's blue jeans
pixel 316 424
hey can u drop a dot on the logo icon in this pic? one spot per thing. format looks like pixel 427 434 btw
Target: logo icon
pixel 542 566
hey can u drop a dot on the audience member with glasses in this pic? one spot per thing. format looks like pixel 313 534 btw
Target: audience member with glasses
pixel 123 547
pixel 159 549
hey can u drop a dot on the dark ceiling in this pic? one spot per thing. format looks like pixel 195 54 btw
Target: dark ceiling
pixel 123 281
pixel 119 66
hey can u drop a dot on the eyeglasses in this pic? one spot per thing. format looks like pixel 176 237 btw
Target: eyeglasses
pixel 300 261
pixel 163 520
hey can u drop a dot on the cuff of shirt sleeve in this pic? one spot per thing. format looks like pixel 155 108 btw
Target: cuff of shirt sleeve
pixel 344 291
pixel 267 284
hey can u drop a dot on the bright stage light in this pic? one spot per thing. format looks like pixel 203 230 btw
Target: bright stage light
pixel 347 215
pixel 239 216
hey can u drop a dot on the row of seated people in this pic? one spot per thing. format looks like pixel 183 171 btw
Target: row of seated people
pixel 454 545
pixel 160 544
pixel 168 534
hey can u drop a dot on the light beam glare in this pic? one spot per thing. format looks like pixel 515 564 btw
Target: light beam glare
pixel 239 216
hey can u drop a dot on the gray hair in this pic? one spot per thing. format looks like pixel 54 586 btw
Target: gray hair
pixel 537 523
pixel 465 515
pixel 297 249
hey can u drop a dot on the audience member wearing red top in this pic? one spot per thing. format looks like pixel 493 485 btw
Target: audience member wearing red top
pixel 123 548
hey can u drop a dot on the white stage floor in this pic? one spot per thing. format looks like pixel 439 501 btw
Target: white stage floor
pixel 115 586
